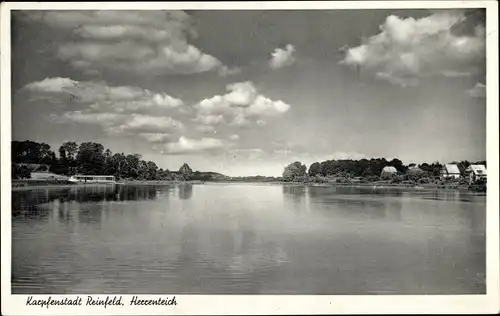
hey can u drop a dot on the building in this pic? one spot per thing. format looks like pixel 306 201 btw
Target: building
pixel 476 172
pixel 450 171
pixel 47 176
pixel 389 170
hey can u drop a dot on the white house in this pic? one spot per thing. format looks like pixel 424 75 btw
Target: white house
pixel 450 171
pixel 389 170
pixel 476 172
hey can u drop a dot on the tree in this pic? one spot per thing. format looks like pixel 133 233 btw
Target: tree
pixel 71 149
pixel 131 166
pixel 90 158
pixel 398 164
pixel 116 165
pixel 314 169
pixel 294 170
pixel 186 172
pixel 20 172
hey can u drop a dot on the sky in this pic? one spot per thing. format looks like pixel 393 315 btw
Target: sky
pixel 247 92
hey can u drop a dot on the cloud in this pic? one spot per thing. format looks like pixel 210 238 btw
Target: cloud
pixel 205 129
pixel 478 91
pixel 98 95
pixel 54 85
pixel 186 145
pixel 143 42
pixel 209 119
pixel 225 71
pixel 282 57
pixel 242 105
pixel 408 49
pixel 116 123
pixel 113 108
pixel 106 120
pixel 155 138
pixel 234 137
pixel 138 123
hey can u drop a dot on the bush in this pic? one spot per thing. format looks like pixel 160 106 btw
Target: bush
pixel 20 172
pixel 342 180
pixel 424 180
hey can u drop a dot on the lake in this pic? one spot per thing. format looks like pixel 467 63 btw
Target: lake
pixel 246 239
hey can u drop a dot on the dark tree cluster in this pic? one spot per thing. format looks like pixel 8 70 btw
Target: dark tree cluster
pixel 368 170
pixel 90 158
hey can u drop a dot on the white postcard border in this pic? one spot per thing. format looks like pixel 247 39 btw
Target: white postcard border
pixel 267 304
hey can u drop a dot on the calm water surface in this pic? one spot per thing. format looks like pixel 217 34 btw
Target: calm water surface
pixel 246 239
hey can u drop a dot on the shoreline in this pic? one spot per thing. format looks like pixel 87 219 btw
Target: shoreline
pixel 36 184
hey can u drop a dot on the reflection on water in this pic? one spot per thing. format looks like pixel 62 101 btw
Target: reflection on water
pixel 247 239
pixel 185 191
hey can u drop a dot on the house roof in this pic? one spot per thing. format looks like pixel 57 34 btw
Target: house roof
pixel 389 169
pixel 452 169
pixel 477 169
pixel 46 175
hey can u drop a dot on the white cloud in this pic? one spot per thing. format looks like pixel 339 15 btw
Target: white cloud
pixel 234 137
pixel 139 123
pixel 240 121
pixel 242 105
pixel 407 49
pixel 225 71
pixel 106 120
pixel 98 95
pixel 186 145
pixel 242 93
pixel 54 85
pixel 478 91
pixel 282 57
pixel 209 119
pixel 115 123
pixel 142 42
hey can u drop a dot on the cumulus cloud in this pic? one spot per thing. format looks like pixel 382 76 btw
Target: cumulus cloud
pixel 106 120
pixel 98 95
pixel 407 49
pixel 234 137
pixel 186 145
pixel 225 71
pixel 116 123
pixel 142 42
pixel 478 91
pixel 241 105
pixel 209 119
pixel 138 123
pixel 282 57
pixel 117 109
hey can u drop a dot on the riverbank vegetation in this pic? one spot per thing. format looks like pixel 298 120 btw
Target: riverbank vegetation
pixel 371 171
pixel 90 158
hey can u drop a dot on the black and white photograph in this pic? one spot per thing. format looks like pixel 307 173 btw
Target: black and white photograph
pixel 291 152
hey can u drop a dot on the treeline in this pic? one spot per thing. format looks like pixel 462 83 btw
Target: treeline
pixel 368 170
pixel 90 158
